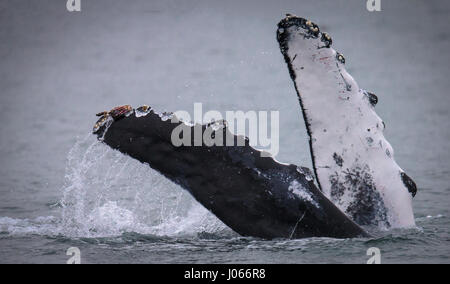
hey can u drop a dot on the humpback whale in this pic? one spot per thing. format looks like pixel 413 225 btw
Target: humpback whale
pixel 359 183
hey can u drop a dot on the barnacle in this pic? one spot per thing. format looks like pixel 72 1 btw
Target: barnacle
pixel 326 38
pixel 340 57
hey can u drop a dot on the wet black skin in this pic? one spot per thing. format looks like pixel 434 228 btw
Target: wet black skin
pixel 247 192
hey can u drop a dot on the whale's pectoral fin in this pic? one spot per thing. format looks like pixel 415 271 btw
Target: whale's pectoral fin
pixel 353 162
pixel 253 194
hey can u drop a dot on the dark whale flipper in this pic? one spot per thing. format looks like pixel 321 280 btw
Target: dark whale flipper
pixel 255 196
pixel 353 162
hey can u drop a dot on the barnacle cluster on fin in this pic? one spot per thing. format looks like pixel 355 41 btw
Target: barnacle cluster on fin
pixel 143 110
pixel 101 122
pixel 340 57
pixel 373 99
pixel 311 28
pixel 114 114
pixel 326 38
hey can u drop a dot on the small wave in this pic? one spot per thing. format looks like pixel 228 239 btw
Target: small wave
pixel 48 225
pixel 430 217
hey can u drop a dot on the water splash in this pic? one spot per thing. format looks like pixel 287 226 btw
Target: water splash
pixel 107 193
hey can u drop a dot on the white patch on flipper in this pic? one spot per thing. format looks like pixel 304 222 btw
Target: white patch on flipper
pixel 297 189
pixel 346 134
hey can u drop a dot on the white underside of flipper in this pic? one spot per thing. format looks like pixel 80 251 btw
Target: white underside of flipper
pixel 353 161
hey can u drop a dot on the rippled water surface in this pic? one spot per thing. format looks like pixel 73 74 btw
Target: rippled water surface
pixel 61 188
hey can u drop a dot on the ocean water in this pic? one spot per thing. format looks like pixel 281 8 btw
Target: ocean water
pixel 60 188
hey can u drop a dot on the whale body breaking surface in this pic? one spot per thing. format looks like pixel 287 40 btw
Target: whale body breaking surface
pixel 359 183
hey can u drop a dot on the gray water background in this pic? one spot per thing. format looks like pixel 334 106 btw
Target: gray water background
pixel 57 69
